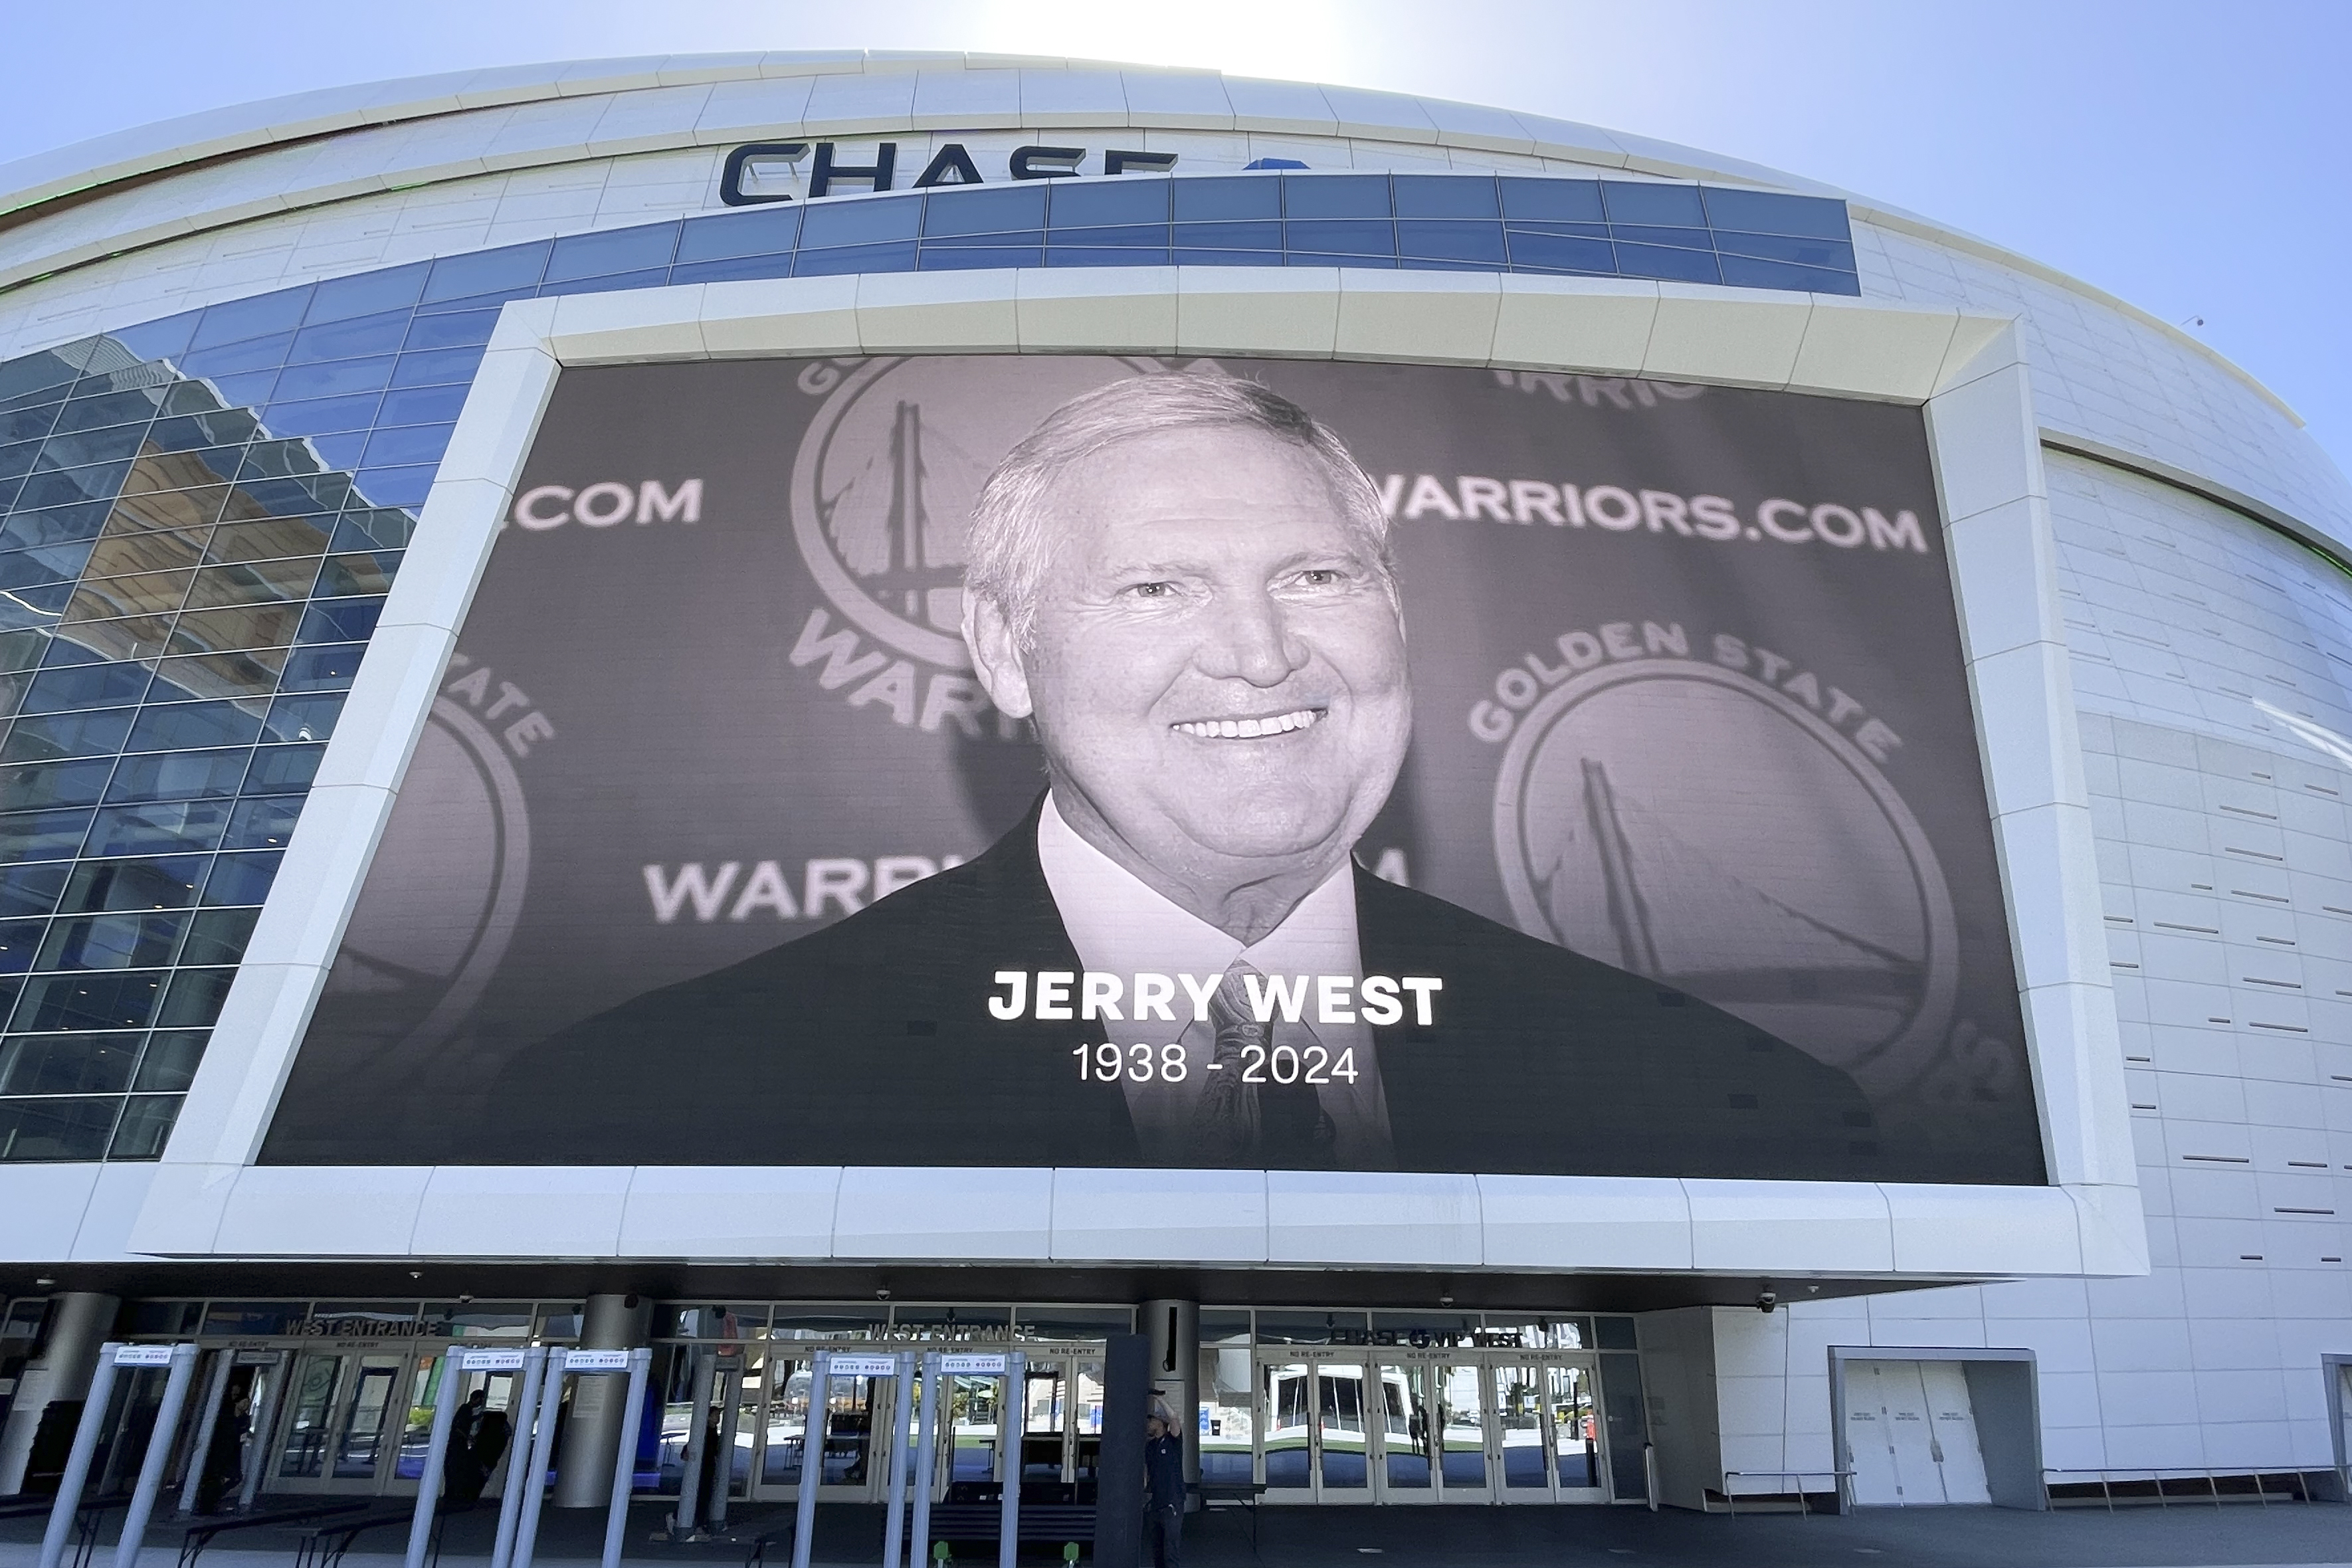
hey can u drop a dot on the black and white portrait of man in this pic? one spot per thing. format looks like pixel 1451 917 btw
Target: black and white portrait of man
pixel 1183 583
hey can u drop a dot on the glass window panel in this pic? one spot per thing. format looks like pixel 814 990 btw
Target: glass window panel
pixel 40 737
pixel 28 424
pixel 67 1064
pixel 196 998
pixel 1144 236
pixel 41 834
pixel 1335 195
pixel 169 1063
pixel 34 376
pixel 1311 1328
pixel 612 251
pixel 1558 201
pixel 1230 197
pixel 249 626
pixel 218 936
pixel 407 444
pixel 767 231
pixel 436 368
pixel 136 406
pixel 164 828
pixel 253 582
pixel 334 380
pixel 238 319
pixel 422 406
pixel 1750 272
pixel 1230 235
pixel 861 221
pixel 511 269
pixel 19 941
pixel 341 620
pixel 372 528
pixel 165 882
pixel 1629 202
pixel 455 329
pixel 146 1127
pixel 279 769
pixel 241 879
pixel 185 511
pixel 897 257
pixel 265 824
pixel 652 278
pixel 396 486
pixel 268 539
pixel 1834 254
pixel 1559 253
pixel 243 372
pixel 16 461
pixel 49 784
pixel 256 498
pixel 32 1129
pixel 327 667
pixel 963 258
pixel 194 431
pixel 111 598
pixel 72 451
pixel 186 725
pixel 1454 241
pixel 178 776
pixel 992 209
pixel 31 889
pixel 307 717
pixel 140 941
pixel 253 673
pixel 128 549
pixel 160 340
pixel 137 638
pixel 368 293
pixel 254 1320
pixel 1090 203
pixel 1681 238
pixel 1090 256
pixel 99 999
pixel 360 335
pixel 44 564
pixel 283 459
pixel 1767 212
pixel 54 526
pixel 89 686
pixel 1299 257
pixel 358 573
pixel 206 470
pixel 1445 195
pixel 324 415
pixel 732 269
pixel 1661 261
pixel 66 487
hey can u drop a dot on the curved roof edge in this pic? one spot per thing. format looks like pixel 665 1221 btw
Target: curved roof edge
pixel 140 152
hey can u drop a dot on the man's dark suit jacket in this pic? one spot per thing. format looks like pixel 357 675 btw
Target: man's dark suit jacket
pixel 870 1043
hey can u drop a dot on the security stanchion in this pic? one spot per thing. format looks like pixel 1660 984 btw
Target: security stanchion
pixel 811 1457
pixel 437 1454
pixel 533 1364
pixel 625 1464
pixel 894 1523
pixel 85 1444
pixel 182 1359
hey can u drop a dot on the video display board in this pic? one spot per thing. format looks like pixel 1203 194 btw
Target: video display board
pixel 1064 761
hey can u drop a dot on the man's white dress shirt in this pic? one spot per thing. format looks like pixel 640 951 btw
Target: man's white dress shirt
pixel 1122 926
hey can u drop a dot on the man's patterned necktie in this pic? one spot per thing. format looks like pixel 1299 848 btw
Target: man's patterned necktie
pixel 1270 1125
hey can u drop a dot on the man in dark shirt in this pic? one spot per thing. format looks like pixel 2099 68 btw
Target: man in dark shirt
pixel 1164 1479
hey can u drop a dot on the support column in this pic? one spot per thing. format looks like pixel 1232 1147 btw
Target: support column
pixel 79 1322
pixel 1173 1330
pixel 591 1432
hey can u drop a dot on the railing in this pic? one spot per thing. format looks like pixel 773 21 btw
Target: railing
pixel 1839 1482
pixel 2155 1478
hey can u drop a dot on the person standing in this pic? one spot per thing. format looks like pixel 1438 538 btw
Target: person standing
pixel 1164 1479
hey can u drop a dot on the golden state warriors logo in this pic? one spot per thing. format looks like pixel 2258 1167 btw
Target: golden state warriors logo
pixel 1710 824
pixel 883 487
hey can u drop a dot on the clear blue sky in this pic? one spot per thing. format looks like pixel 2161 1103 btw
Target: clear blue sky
pixel 2191 158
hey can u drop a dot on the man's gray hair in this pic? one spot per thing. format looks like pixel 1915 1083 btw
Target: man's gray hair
pixel 1007 549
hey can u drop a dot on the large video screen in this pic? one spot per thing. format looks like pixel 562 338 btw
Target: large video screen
pixel 1084 761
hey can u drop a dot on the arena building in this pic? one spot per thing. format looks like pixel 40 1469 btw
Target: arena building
pixel 502 760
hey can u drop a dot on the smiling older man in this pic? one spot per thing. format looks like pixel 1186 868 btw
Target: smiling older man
pixel 1183 582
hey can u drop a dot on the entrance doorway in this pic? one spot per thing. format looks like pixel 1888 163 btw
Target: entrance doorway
pixel 1911 1434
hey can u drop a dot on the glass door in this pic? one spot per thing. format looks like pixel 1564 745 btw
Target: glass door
pixel 1577 1465
pixel 307 1422
pixel 1410 1432
pixel 1346 1419
pixel 1461 1441
pixel 1521 1444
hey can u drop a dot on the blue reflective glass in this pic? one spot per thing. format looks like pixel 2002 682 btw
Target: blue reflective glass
pixel 279 769
pixel 31 889
pixel 34 376
pixel 195 997
pixel 1753 273
pixel 511 269
pixel 1231 196
pixel 28 424
pixel 1105 256
pixel 44 563
pixel 1769 212
pixel 41 834
pixel 96 412
pixel 1559 253
pixel 1631 202
pixel 1077 204
pixel 307 380
pixel 1554 201
pixel 260 316
pixel 54 525
pixel 241 879
pixel 265 824
pixel 245 391
pixel 1834 254
pixel 234 359
pixel 1445 195
pixel 180 725
pixel 368 293
pixel 612 282
pixel 170 827
pixel 612 251
pixel 732 269
pixel 1654 233
pixel 341 450
pixel 423 405
pixel 764 231
pixel 994 209
pixel 126 941
pixel 191 432
pixel 307 717
pixel 457 329
pixel 396 486
pixel 178 776
pixel 71 732
pixel 379 334
pixel 167 882
pixel 118 999
pixel 1429 239
pixel 375 528
pixel 1335 195
pixel 1660 261
pixel 324 668
pixel 41 786
pixel 437 368
pixel 339 620
pixel 166 339
pixel 861 221
pixel 407 444
pixel 961 257
pixel 897 257
pixel 1229 236
pixel 20 940
pixel 88 685
pixel 1142 234
pixel 318 417
pixel 1340 237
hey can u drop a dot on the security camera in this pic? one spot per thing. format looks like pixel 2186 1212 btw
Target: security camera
pixel 1765 1302
pixel 882 1295
pixel 1445 1300
pixel 465 1300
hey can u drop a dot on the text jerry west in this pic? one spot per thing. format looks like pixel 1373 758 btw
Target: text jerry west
pixel 1376 999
